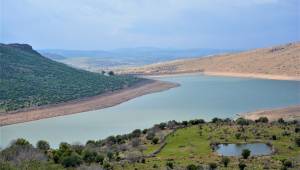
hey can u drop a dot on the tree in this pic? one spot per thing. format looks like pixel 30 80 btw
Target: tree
pixel 242 165
pixel 281 121
pixel 21 142
pixel 170 164
pixel 297 141
pixel 246 153
pixel 242 121
pixel 73 160
pixel 191 167
pixel 111 73
pixel 89 156
pixel 225 161
pixel 155 140
pixel 99 159
pixel 136 133
pixel 212 166
pixel 43 145
pixel 262 120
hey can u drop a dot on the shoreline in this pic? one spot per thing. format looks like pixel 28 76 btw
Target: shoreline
pixel 226 74
pixel 287 113
pixel 98 102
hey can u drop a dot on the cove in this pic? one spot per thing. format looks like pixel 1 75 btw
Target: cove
pixel 198 96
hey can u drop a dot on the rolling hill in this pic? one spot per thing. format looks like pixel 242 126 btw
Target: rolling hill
pixel 279 62
pixel 27 79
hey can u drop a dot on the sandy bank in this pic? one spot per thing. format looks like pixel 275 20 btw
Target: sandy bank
pixel 87 104
pixel 287 113
pixel 227 74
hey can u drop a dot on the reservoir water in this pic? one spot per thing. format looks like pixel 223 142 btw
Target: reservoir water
pixel 198 97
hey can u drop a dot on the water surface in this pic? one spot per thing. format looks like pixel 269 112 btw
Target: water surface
pixel 198 97
pixel 257 149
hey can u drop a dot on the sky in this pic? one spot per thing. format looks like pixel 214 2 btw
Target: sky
pixel 110 24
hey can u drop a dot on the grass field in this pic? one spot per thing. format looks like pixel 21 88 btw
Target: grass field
pixel 191 145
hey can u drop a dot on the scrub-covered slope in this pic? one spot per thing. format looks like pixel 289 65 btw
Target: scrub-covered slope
pixel 27 79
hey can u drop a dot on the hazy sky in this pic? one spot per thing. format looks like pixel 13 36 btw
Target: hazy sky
pixel 107 24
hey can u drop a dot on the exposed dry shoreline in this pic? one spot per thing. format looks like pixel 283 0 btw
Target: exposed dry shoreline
pixel 228 74
pixel 287 113
pixel 87 104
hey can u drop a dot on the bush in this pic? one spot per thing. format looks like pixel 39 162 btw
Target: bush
pixel 73 160
pixel 281 121
pixel 191 167
pixel 110 155
pixel 136 133
pixel 21 142
pixel 242 166
pixel 297 141
pixel 262 120
pixel 274 137
pixel 43 145
pixel 238 135
pixel 297 129
pixel 212 166
pixel 242 121
pixel 287 164
pixel 162 125
pixel 155 140
pixel 170 164
pixel 225 161
pixel 246 153
pixel 150 135
pixel 99 159
pixel 89 156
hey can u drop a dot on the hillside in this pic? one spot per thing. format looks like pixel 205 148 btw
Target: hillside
pixel 27 79
pixel 281 62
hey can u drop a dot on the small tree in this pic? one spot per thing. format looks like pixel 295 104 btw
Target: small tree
pixel 262 120
pixel 191 167
pixel 281 121
pixel 155 140
pixel 170 164
pixel 89 156
pixel 73 160
pixel 297 141
pixel 225 161
pixel 242 165
pixel 246 153
pixel 43 145
pixel 111 73
pixel 213 166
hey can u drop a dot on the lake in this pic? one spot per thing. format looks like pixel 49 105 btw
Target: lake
pixel 257 149
pixel 198 96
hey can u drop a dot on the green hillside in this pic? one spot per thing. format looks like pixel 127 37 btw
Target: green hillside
pixel 28 79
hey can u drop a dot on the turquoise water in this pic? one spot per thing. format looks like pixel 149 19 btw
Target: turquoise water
pixel 198 97
pixel 256 149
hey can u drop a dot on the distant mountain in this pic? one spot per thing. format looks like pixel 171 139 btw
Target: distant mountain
pixel 281 60
pixel 97 60
pixel 27 79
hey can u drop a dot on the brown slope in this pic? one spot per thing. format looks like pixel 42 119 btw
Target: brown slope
pixel 280 62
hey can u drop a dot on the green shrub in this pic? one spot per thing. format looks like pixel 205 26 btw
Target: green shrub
pixel 43 145
pixel 155 140
pixel 170 164
pixel 213 165
pixel 73 160
pixel 242 165
pixel 246 153
pixel 225 161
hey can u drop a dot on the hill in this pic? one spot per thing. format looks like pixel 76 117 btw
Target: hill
pixel 280 62
pixel 97 60
pixel 27 79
